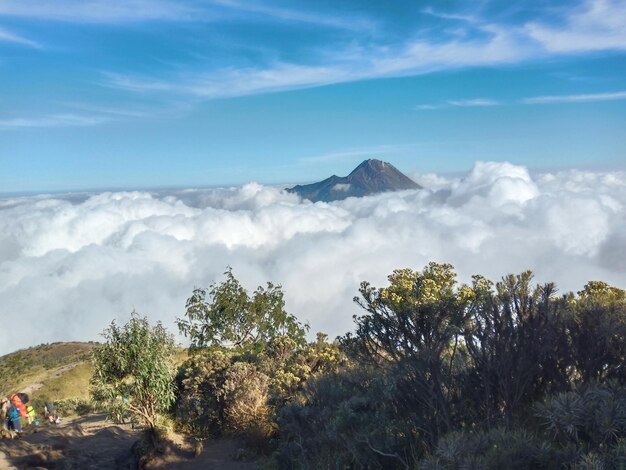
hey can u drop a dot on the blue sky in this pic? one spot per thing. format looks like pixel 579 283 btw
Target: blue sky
pixel 156 93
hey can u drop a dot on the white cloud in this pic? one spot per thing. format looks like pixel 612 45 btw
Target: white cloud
pixel 342 187
pixel 69 265
pixel 598 25
pixel 99 11
pixel 480 102
pixel 8 36
pixel 298 16
pixel 53 120
pixel 231 82
pixel 585 98
pixel 358 154
pixel 463 103
pixel 411 58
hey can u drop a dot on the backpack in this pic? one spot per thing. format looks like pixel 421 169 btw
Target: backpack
pixel 17 403
pixel 14 414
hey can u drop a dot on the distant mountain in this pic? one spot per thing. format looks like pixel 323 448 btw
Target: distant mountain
pixel 370 177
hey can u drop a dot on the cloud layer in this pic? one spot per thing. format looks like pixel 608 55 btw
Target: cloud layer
pixel 71 264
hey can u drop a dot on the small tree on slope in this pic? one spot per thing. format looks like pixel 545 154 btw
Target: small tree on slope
pixel 133 371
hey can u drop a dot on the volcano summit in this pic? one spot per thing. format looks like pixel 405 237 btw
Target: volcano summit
pixel 370 177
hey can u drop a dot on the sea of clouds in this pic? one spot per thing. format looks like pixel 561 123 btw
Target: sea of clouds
pixel 69 264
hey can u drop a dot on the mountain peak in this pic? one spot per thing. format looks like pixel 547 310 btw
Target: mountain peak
pixel 370 177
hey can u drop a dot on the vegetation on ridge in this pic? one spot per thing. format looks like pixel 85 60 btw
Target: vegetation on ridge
pixel 436 374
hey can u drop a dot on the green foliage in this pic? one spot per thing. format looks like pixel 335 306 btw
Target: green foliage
pixel 222 392
pixel 133 375
pixel 496 449
pixel 435 375
pixel 200 406
pixel 516 339
pixel 412 328
pixel 593 415
pixel 598 332
pixel 454 373
pixel 220 395
pixel 71 406
pixel 226 316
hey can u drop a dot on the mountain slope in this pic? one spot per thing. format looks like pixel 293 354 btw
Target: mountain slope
pixel 370 177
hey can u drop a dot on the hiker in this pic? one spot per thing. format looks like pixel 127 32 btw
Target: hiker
pixel 32 415
pixel 14 420
pixel 50 414
pixel 16 400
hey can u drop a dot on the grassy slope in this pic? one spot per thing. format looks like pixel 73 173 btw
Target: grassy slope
pixel 40 364
pixel 52 365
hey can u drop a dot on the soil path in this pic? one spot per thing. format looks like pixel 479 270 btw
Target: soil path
pixel 84 443
pixel 92 442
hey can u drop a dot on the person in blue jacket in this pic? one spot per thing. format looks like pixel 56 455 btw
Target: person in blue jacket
pixel 14 420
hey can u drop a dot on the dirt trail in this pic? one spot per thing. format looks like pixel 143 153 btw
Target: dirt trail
pixel 83 443
pixel 91 442
pixel 216 455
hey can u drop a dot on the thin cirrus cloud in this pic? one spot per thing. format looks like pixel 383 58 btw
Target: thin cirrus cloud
pixel 77 262
pixel 8 36
pixel 554 99
pixel 100 11
pixel 132 11
pixel 411 58
pixel 463 103
pixel 53 120
pixel 233 82
pixel 583 98
pixel 352 23
pixel 600 25
pixel 86 115
pixel 351 154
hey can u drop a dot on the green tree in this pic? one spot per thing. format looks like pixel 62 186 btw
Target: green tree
pixel 413 327
pixel 598 332
pixel 133 371
pixel 516 338
pixel 226 316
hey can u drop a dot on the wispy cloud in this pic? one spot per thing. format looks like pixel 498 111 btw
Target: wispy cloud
pixel 479 102
pixel 358 153
pixel 228 83
pixel 78 114
pixel 113 113
pixel 411 58
pixel 463 103
pixel 115 11
pixel 52 120
pixel 597 25
pixel 100 11
pixel 551 99
pixel 428 107
pixel 352 22
pixel 8 36
pixel 619 95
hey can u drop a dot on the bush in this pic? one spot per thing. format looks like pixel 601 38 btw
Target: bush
pixel 219 394
pixel 496 449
